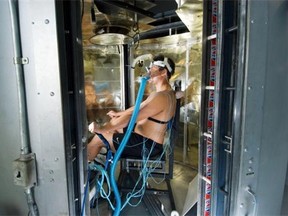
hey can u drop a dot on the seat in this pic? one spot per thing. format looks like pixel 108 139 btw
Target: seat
pixel 131 168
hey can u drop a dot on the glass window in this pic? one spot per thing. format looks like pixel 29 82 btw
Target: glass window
pixel 103 85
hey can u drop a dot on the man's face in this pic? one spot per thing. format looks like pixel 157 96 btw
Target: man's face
pixel 154 71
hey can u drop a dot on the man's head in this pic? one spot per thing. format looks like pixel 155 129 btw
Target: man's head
pixel 164 63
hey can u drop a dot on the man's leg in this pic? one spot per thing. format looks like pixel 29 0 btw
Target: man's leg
pixel 96 144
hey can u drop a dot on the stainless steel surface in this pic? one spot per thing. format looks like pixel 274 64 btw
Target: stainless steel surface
pixel 238 109
pixel 185 50
pixel 24 132
pixel 216 130
pixel 110 38
pixel 103 70
pixel 119 22
pixel 190 12
pixel 12 197
pixel 113 24
pixel 187 57
pixel 25 167
pixel 261 178
pixel 44 103
pixel 192 196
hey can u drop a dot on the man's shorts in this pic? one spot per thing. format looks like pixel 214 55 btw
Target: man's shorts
pixel 135 145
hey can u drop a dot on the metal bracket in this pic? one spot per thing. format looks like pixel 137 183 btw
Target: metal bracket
pixel 228 141
pixel 25 170
pixel 19 60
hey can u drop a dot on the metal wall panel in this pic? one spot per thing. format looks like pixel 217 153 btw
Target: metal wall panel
pixel 44 106
pixel 272 173
pixel 264 147
pixel 12 198
pixel 42 77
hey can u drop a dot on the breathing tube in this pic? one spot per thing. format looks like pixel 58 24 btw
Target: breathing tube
pixel 124 142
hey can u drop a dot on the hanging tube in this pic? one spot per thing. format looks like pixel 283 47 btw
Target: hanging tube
pixel 123 144
pixel 145 56
pixel 24 135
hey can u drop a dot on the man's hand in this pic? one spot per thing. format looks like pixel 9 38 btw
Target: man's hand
pixel 113 114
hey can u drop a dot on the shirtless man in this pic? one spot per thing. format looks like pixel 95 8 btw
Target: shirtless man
pixel 153 117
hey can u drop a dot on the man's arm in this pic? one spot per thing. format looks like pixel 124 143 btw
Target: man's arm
pixel 129 111
pixel 151 106
pixel 114 124
pixel 113 114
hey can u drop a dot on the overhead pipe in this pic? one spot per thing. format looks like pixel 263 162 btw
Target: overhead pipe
pixel 166 14
pixel 24 135
pixel 164 29
pixel 175 25
pixel 125 6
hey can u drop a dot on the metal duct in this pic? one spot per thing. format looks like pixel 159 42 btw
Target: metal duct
pixel 116 22
pixel 120 22
pixel 191 13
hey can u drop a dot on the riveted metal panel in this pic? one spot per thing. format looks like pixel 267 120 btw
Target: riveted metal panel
pixel 263 161
pixel 12 199
pixel 44 103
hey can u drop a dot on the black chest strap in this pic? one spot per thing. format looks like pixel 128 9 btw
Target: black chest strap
pixel 157 121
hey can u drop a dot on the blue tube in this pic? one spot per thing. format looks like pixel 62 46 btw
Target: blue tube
pixel 85 193
pixel 123 144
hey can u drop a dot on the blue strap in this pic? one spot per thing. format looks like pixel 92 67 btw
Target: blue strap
pixel 170 123
pixel 104 140
pixel 109 157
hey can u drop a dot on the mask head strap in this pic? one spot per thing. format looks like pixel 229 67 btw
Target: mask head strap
pixel 162 64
